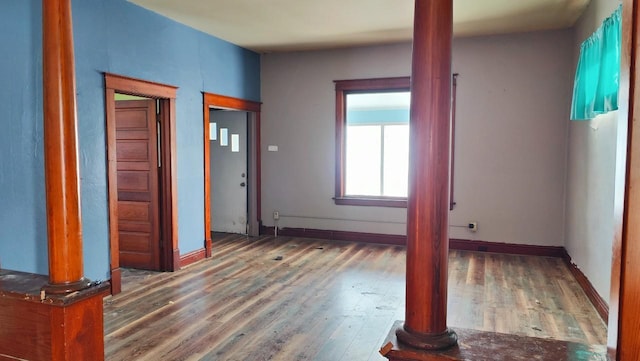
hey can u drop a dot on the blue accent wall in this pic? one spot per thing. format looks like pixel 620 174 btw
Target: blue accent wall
pixel 121 38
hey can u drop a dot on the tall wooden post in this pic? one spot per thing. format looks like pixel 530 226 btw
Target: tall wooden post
pixel 61 314
pixel 425 326
pixel 64 225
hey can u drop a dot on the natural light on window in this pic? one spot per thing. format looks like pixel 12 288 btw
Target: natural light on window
pixel 377 144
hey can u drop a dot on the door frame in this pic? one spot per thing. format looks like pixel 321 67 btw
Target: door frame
pixel 166 94
pixel 254 193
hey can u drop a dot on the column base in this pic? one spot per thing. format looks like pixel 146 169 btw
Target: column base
pixel 67 287
pixel 485 345
pixel 429 342
pixel 64 327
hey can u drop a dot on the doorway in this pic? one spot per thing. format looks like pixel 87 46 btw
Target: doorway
pixel 140 117
pixel 214 106
pixel 228 159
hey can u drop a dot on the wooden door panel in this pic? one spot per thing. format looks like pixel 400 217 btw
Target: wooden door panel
pixel 135 150
pixel 133 181
pixel 134 196
pixel 131 134
pixel 132 119
pixel 137 227
pixel 138 201
pixel 136 242
pixel 134 186
pixel 142 166
pixel 135 260
pixel 129 211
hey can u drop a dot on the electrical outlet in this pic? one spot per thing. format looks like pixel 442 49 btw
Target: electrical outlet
pixel 473 226
pixel 276 215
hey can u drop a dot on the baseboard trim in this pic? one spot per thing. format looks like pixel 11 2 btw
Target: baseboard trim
pixel 509 248
pixel 598 302
pixel 192 257
pixel 394 239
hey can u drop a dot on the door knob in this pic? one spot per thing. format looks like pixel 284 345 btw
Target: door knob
pixel 242 184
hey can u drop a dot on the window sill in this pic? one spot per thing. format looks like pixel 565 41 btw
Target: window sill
pixel 371 202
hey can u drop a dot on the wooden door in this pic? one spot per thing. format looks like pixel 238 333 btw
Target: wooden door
pixel 138 203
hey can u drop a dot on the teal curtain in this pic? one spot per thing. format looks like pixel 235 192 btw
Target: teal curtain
pixel 595 89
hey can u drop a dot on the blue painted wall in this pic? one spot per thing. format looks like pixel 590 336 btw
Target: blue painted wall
pixel 121 38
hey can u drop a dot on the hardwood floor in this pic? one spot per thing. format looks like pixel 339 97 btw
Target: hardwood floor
pixel 301 299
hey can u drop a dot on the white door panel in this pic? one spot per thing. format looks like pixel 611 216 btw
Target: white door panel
pixel 229 175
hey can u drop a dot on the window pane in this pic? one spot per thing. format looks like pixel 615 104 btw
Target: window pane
pixel 378 108
pixel 235 143
pixel 363 146
pixel 213 131
pixel 224 137
pixel 396 160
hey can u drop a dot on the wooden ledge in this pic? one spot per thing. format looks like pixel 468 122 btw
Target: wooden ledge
pixel 481 345
pixel 27 286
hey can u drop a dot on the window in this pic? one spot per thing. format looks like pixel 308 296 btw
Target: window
pixel 372 147
pixel 372 141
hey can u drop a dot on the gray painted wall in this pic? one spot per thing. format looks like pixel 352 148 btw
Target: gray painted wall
pixel 590 176
pixel 511 136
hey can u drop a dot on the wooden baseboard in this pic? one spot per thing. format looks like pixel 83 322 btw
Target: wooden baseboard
pixel 394 239
pixel 509 248
pixel 598 302
pixel 192 257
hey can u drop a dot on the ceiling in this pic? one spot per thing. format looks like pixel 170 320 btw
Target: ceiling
pixel 286 25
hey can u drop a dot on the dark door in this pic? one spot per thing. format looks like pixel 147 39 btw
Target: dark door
pixel 138 203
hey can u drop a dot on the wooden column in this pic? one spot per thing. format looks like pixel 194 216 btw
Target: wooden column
pixel 58 317
pixel 425 326
pixel 64 226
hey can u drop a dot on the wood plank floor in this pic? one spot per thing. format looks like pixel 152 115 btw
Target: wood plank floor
pixel 289 299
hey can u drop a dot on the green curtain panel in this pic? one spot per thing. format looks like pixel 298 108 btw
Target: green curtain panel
pixel 595 89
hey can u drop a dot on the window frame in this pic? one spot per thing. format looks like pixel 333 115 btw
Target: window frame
pixel 381 85
pixel 342 88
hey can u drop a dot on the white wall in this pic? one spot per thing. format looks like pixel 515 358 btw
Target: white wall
pixel 590 176
pixel 513 96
